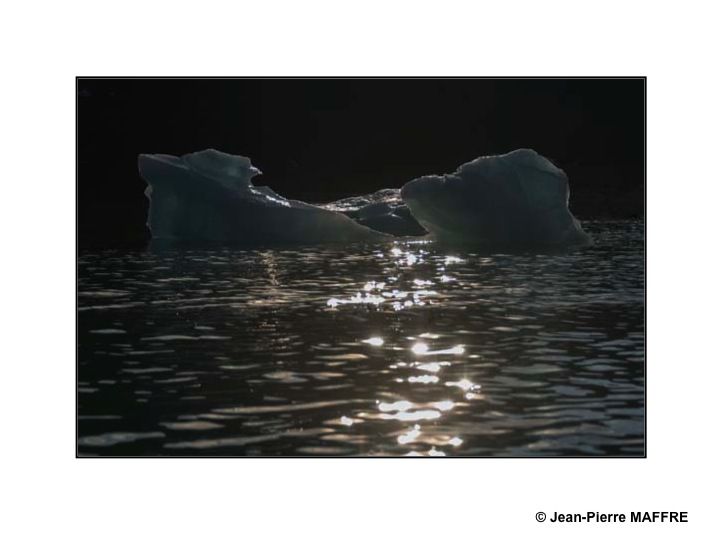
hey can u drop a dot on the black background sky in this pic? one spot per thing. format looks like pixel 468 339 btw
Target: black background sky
pixel 322 139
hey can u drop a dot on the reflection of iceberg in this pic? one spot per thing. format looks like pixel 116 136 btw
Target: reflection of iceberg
pixel 516 199
pixel 208 197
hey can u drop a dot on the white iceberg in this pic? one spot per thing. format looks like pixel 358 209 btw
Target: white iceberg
pixel 519 199
pixel 209 197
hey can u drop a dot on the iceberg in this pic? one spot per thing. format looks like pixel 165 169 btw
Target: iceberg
pixel 208 197
pixel 519 200
pixel 382 211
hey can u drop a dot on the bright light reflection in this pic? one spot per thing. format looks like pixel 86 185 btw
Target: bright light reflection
pixel 443 405
pixel 410 436
pixel 455 441
pixel 451 259
pixel 402 410
pixel 374 341
pixel 395 294
pixel 424 379
pixel 345 421
pixel 370 285
pixel 357 299
pixel 432 367
pixel 395 406
pixel 420 348
pixel 432 452
pixel 463 384
pixel 413 416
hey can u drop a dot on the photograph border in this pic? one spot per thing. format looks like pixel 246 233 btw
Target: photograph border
pixel 79 78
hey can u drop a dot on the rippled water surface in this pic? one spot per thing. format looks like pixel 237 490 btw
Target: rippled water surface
pixel 397 349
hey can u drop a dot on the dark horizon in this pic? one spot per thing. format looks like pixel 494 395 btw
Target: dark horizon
pixel 322 139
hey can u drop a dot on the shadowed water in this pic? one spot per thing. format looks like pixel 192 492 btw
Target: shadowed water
pixel 397 349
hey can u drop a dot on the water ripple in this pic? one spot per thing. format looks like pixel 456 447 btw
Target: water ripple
pixel 404 349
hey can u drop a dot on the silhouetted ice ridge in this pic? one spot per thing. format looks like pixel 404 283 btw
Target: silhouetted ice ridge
pixel 209 197
pixel 519 199
pixel 516 199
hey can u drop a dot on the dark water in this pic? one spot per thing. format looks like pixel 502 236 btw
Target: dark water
pixel 398 349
